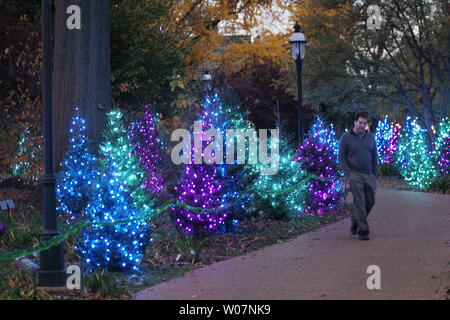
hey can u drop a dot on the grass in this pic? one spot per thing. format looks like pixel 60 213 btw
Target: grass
pixel 440 185
pixel 169 255
pixel 24 226
pixel 389 177
pixel 18 284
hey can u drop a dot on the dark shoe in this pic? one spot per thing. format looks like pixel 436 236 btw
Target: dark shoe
pixel 363 235
pixel 354 228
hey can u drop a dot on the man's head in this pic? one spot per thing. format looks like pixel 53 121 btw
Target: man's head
pixel 360 123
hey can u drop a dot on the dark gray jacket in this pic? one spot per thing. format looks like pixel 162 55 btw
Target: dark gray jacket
pixel 358 153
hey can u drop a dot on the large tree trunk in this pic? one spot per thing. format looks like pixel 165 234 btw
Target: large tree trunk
pixel 445 93
pixel 82 72
pixel 445 96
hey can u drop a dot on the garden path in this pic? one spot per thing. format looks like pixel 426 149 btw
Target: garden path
pixel 410 242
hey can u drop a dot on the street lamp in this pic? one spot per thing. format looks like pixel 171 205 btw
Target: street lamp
pixel 52 272
pixel 298 48
pixel 208 82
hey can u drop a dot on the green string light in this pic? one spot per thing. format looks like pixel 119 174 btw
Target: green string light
pixel 76 228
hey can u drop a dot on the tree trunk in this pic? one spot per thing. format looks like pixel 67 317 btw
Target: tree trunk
pixel 82 72
pixel 445 93
pixel 428 123
pixel 445 96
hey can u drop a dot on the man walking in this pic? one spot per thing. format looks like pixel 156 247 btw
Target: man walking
pixel 358 158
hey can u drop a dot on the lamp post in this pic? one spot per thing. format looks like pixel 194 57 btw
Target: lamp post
pixel 207 80
pixel 52 272
pixel 298 48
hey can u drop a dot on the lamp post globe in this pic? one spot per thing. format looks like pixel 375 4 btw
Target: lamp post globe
pixel 298 43
pixel 207 80
pixel 298 49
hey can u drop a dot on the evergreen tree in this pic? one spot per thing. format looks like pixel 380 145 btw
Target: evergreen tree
pixel 393 143
pixel 275 203
pixel 145 139
pixel 144 54
pixel 319 159
pixel 325 134
pixel 383 136
pixel 319 156
pixel 200 186
pixel 75 183
pixel 442 146
pixel 414 156
pixel 119 196
pixel 27 164
pixel 235 177
pixel 118 153
pixel 401 159
pixel 444 159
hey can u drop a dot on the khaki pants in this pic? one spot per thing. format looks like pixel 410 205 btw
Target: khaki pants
pixel 363 187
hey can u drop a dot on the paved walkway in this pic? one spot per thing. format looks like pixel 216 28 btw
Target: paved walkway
pixel 410 242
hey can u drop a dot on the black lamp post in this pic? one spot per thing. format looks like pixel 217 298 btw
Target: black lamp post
pixel 298 47
pixel 208 82
pixel 52 272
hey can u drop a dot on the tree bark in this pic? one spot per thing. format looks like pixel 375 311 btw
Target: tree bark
pixel 82 72
pixel 445 96
pixel 445 93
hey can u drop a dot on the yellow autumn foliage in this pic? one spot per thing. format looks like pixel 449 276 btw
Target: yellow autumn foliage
pixel 274 47
pixel 198 22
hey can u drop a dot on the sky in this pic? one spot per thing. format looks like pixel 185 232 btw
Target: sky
pixel 275 19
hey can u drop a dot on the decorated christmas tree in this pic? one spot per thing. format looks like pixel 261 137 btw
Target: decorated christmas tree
pixel 27 163
pixel 282 194
pixel 145 139
pixel 200 186
pixel 444 159
pixel 401 156
pixel 414 156
pixel 75 183
pixel 383 136
pixel 236 176
pixel 392 144
pixel 325 134
pixel 320 160
pixel 119 196
pixel 442 146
